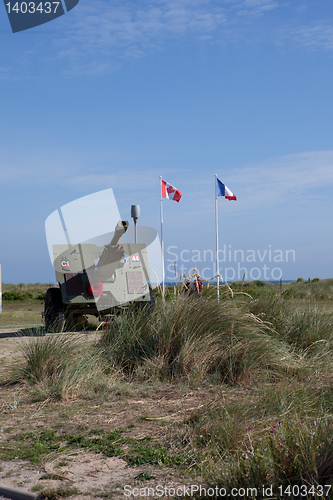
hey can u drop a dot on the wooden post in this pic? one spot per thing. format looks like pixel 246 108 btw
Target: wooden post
pixel 0 292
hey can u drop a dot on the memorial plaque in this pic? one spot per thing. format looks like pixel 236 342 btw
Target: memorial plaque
pixel 135 282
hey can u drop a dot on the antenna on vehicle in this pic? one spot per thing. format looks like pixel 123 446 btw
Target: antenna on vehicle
pixel 135 214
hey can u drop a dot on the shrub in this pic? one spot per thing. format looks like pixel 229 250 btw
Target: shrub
pixel 40 296
pixel 259 283
pixel 12 295
pixel 168 295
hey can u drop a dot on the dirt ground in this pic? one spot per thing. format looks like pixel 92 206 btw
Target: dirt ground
pixel 142 410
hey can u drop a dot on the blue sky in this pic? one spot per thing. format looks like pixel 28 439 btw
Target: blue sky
pixel 116 93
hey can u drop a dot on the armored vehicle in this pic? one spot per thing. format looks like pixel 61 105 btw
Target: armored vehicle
pixel 97 279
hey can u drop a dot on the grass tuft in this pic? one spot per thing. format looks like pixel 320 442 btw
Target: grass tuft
pixel 59 366
pixel 196 339
pixel 292 453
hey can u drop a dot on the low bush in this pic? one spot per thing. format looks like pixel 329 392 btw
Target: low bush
pixel 15 295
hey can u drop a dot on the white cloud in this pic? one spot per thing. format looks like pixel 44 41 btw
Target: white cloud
pixel 97 37
pixel 278 183
pixel 319 35
pixel 291 179
pixel 285 182
pixel 130 29
pixel 256 7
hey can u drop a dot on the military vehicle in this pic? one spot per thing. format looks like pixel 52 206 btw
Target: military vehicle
pixel 97 279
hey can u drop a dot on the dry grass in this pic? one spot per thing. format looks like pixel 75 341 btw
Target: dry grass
pixel 259 373
pixel 196 339
pixel 60 366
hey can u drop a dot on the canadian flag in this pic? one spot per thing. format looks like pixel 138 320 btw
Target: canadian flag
pixel 170 192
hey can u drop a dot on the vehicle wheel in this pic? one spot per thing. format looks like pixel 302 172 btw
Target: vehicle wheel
pixel 54 310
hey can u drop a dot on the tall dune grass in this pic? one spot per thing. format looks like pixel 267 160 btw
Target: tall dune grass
pixel 58 366
pixel 292 454
pixel 298 324
pixel 230 341
pixel 197 339
pixel 275 429
pixel 279 436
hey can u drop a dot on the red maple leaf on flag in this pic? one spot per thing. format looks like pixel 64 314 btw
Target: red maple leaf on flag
pixel 170 192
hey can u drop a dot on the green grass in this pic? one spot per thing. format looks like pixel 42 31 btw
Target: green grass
pixel 293 452
pixel 32 447
pixel 277 435
pixel 36 446
pixel 23 292
pixel 195 339
pixel 266 354
pixel 58 366
pixel 300 325
pixel 144 476
pixel 55 493
pixel 314 290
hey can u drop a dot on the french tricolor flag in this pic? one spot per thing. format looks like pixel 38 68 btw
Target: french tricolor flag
pixel 222 190
pixel 170 192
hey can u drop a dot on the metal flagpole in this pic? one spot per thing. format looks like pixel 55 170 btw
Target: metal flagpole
pixel 217 243
pixel 163 286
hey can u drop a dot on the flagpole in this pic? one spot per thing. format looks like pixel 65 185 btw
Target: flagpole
pixel 217 243
pixel 163 286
